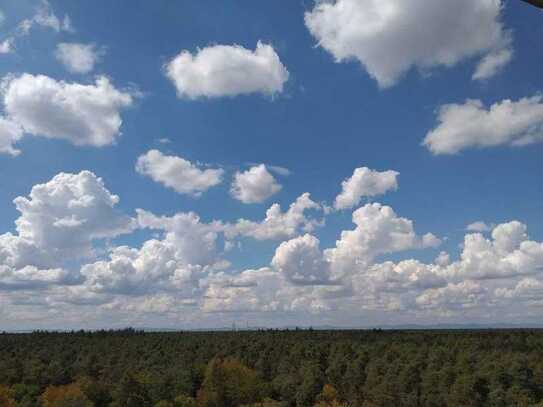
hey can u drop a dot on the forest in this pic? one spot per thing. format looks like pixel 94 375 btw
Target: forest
pixel 272 368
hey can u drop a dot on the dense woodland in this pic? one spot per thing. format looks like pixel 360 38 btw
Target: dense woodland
pixel 272 368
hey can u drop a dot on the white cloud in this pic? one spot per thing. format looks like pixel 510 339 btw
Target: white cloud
pixel 466 294
pixel 194 242
pixel 156 305
pixel 6 46
pixel 248 291
pixel 78 58
pixel 486 266
pixel 307 279
pixel 277 224
pixel 390 37
pixel 404 276
pixel 30 277
pixel 175 262
pixel 63 216
pixel 378 231
pixel 493 63
pixel 177 173
pixel 153 268
pixel 10 133
pixel 46 18
pixel 65 222
pixel 80 114
pixel 478 226
pixel 529 289
pixel 285 172
pixel 227 70
pixel 59 222
pixel 443 259
pixel 255 185
pixel 301 261
pixel 365 183
pixel 508 254
pixel 472 125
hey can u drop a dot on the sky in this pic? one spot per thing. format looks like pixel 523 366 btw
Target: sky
pixel 191 164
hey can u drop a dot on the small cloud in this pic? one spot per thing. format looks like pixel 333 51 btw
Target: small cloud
pixel 365 183
pixel 472 124
pixel 285 172
pixel 478 226
pixel 79 58
pixel 227 71
pixel 6 46
pixel 255 185
pixel 46 18
pixel 177 173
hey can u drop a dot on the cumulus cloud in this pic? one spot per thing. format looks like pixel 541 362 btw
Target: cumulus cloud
pixel 30 277
pixel 194 241
pixel 227 70
pixel 277 224
pixel 301 261
pixel 307 279
pixel 443 259
pixel 472 125
pixel 59 221
pixel 56 249
pixel 177 173
pixel 81 114
pixel 248 291
pixel 176 262
pixel 255 185
pixel 404 276
pixel 379 230
pixel 365 183
pixel 529 289
pixel 153 268
pixel 78 58
pixel 509 266
pixel 509 253
pixel 466 294
pixel 391 37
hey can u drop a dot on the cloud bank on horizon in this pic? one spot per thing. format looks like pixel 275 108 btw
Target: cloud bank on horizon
pixel 310 241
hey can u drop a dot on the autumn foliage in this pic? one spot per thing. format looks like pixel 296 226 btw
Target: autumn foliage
pixel 69 395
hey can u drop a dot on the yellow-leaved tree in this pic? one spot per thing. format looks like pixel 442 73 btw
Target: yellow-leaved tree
pixel 69 395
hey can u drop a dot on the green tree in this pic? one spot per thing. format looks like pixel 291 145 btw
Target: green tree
pixel 228 383
pixel 184 401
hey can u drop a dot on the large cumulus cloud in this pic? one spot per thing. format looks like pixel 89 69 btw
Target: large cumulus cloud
pixel 390 37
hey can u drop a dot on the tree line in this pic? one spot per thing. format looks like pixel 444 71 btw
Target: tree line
pixel 272 368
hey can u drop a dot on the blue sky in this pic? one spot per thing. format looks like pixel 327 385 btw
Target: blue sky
pixel 333 114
